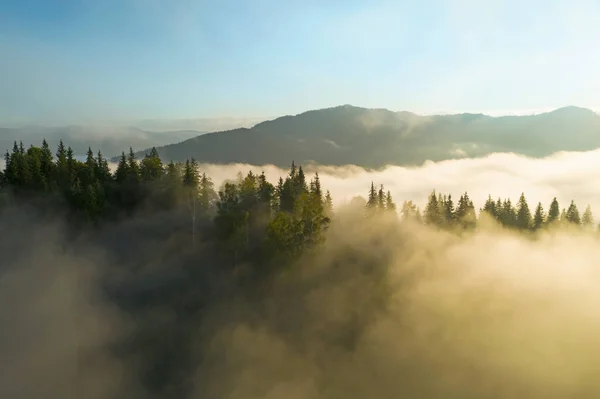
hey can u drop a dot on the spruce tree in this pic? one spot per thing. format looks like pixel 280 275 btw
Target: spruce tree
pixel 328 204
pixel 372 200
pixel 587 219
pixel 573 214
pixel 381 199
pixel 538 217
pixel 523 217
pixel 389 203
pixel 490 208
pixel 432 214
pixel 448 210
pixel 553 212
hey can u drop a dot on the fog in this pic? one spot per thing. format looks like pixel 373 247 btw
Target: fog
pixel 566 175
pixel 385 310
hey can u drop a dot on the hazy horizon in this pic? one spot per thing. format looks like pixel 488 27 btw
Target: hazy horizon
pixel 213 124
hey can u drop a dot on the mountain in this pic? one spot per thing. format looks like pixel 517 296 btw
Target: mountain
pixel 110 140
pixel 374 138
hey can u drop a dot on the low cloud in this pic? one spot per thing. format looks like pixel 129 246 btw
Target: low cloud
pixel 565 175
pixel 391 312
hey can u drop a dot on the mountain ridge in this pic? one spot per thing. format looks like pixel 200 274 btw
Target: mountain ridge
pixel 375 137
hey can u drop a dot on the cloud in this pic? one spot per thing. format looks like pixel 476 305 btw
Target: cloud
pixel 390 311
pixel 56 327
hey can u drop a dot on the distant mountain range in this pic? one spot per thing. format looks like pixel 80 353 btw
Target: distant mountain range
pixel 110 140
pixel 374 138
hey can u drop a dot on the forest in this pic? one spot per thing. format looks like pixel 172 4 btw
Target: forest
pixel 286 216
pixel 264 289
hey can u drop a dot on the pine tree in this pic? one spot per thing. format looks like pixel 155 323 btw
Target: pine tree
pixel 122 169
pixel 47 162
pixel 465 212
pixel 372 200
pixel 133 167
pixel 389 203
pixel 587 220
pixel 248 192
pixel 190 183
pixel 328 204
pixel 266 195
pixel 572 214
pixel 71 166
pixel 523 218
pixel 151 167
pixel 102 169
pixel 553 212
pixel 206 194
pixel 432 214
pixel 62 169
pixel 490 208
pixel 448 211
pixel 91 168
pixel 508 215
pixel 380 199
pixel 24 167
pixel 33 158
pixel 538 217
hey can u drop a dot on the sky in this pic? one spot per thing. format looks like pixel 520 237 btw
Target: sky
pixel 75 60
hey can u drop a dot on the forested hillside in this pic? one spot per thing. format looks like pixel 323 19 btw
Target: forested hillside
pixel 375 138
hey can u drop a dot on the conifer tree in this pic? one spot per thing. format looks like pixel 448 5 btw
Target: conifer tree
pixel 448 211
pixel 432 215
pixel 538 217
pixel 523 217
pixel 572 214
pixel 328 204
pixel 206 194
pixel 380 199
pixel 266 193
pixel 103 173
pixel 90 167
pixel 587 219
pixel 122 169
pixel 47 162
pixel 389 203
pixel 71 165
pixel 490 208
pixel 508 214
pixel 151 167
pixel 465 212
pixel 553 212
pixel 133 167
pixel 372 200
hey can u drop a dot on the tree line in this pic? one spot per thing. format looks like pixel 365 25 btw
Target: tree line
pixel 441 211
pixel 248 214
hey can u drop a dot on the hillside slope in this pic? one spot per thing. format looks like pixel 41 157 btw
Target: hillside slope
pixel 377 137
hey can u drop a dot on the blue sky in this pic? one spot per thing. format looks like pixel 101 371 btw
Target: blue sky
pixel 75 60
